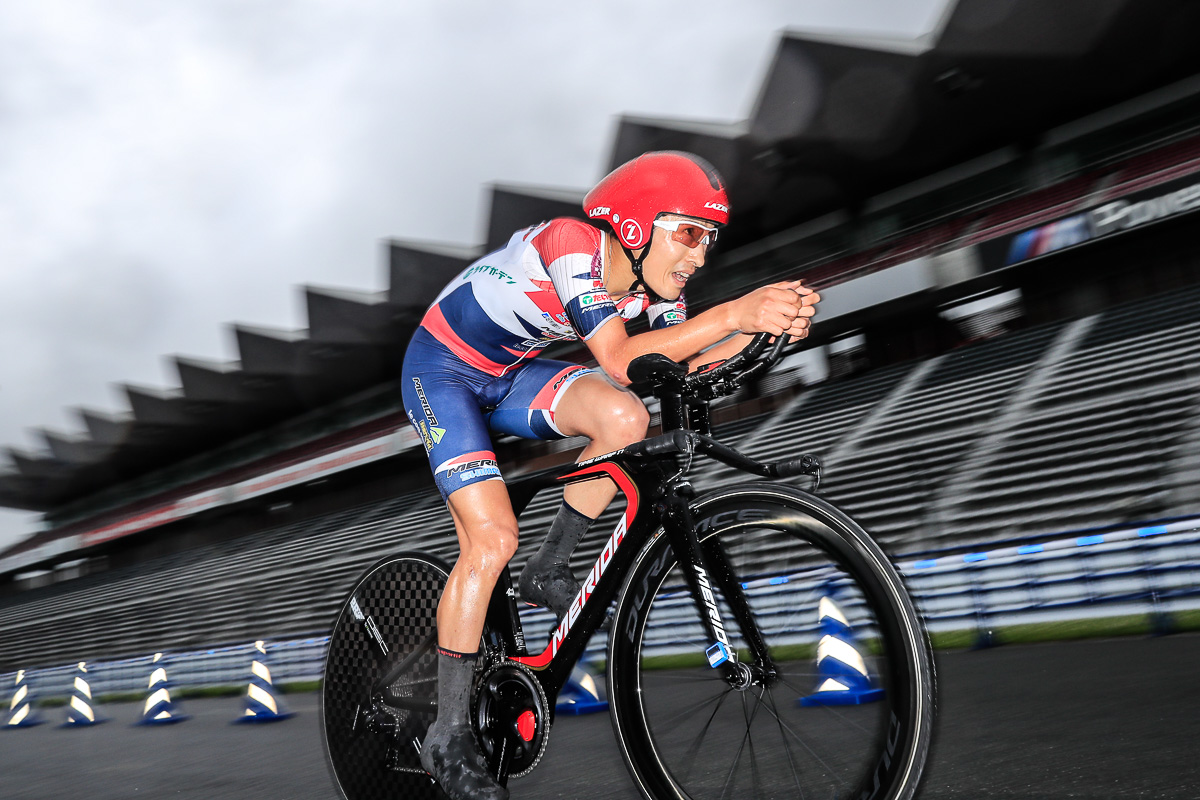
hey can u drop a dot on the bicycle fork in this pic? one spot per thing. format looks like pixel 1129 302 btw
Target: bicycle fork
pixel 706 567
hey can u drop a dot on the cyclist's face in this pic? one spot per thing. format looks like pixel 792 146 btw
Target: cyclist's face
pixel 670 263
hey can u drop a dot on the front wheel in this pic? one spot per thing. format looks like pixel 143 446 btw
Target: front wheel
pixel 833 696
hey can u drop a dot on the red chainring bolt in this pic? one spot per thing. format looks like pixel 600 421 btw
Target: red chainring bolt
pixel 526 725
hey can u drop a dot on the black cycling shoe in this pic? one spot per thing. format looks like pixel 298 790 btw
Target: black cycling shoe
pixel 453 759
pixel 554 588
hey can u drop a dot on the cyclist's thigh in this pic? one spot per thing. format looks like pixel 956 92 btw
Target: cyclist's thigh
pixel 528 406
pixel 443 405
pixel 601 411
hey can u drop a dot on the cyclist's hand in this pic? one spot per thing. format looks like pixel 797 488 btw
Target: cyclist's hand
pixel 772 309
pixel 803 321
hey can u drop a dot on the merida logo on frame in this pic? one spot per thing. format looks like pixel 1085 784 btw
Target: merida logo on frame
pixel 589 585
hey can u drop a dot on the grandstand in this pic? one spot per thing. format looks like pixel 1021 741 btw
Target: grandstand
pixel 1008 347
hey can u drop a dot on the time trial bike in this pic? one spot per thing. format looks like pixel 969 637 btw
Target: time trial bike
pixel 760 643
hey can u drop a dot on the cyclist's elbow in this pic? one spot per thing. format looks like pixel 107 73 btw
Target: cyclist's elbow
pixel 619 376
pixel 616 367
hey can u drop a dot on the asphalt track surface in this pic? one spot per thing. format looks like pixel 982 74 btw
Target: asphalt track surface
pixel 1092 719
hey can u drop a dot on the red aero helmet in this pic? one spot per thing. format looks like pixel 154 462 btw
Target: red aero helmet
pixel 664 182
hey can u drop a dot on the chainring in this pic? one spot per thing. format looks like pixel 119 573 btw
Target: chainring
pixel 507 691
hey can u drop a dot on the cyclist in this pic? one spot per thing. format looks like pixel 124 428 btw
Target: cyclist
pixel 470 370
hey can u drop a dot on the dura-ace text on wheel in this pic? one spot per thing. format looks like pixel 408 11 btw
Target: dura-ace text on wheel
pixel 828 606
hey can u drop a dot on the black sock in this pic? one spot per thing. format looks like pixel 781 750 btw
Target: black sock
pixel 456 674
pixel 547 579
pixel 566 531
pixel 450 753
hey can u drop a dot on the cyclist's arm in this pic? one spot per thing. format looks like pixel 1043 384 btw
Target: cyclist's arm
pixel 736 344
pixel 772 309
pixel 726 349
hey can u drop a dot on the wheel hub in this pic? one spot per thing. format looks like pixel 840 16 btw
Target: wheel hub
pixel 513 719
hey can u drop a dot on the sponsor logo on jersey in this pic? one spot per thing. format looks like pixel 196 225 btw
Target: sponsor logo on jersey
pixel 491 471
pixel 424 403
pixel 558 383
pixel 430 435
pixel 484 269
pixel 594 298
pixel 673 316
pixel 600 211
pixel 717 207
pixel 470 466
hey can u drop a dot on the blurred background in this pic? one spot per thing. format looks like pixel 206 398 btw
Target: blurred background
pixel 994 197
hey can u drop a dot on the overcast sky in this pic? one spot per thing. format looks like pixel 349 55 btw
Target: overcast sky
pixel 168 168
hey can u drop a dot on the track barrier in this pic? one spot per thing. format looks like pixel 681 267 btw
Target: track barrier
pixel 261 703
pixel 159 708
pixel 1149 569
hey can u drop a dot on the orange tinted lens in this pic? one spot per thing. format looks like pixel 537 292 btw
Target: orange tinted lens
pixel 690 235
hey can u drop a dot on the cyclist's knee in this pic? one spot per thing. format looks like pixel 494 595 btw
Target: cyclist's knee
pixel 626 421
pixel 491 545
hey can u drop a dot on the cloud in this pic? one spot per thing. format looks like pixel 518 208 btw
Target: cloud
pixel 167 168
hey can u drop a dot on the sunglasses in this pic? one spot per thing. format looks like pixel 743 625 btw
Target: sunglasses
pixel 688 233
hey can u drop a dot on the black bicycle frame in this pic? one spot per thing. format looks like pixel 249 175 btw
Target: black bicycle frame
pixel 657 496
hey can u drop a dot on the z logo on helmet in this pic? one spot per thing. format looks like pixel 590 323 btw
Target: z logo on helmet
pixel 631 231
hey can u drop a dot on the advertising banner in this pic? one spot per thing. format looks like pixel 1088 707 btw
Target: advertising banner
pixel 282 478
pixel 1169 199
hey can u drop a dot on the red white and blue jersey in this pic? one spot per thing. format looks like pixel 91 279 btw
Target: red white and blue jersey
pixel 545 285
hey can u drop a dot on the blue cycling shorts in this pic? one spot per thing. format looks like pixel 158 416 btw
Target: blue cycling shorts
pixel 455 408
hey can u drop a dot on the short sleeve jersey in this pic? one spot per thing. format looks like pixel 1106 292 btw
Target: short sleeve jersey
pixel 545 285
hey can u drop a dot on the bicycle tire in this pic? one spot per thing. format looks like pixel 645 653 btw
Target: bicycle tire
pixel 679 734
pixel 375 757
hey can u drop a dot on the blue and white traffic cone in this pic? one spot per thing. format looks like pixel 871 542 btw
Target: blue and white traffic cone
pixel 159 708
pixel 580 695
pixel 843 675
pixel 21 710
pixel 261 703
pixel 81 712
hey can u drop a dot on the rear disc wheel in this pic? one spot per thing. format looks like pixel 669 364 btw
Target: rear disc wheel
pixel 386 628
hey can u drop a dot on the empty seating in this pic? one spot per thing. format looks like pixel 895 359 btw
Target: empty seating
pixel 1093 441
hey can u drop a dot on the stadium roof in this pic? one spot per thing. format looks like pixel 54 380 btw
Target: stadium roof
pixel 841 118
pixel 838 119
